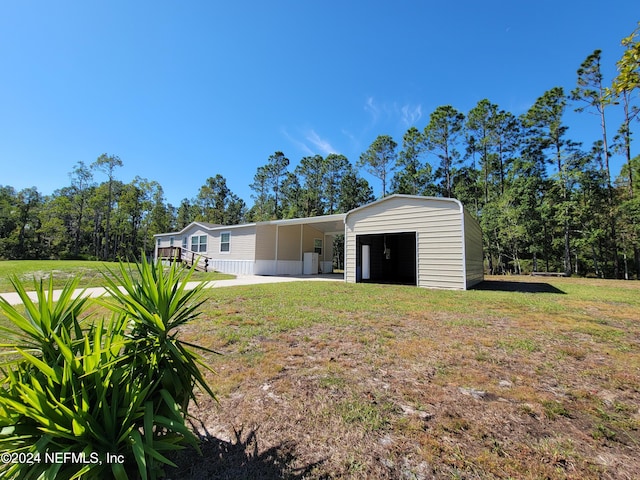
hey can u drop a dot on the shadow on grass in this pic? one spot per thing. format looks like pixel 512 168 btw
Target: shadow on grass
pixel 238 459
pixel 524 287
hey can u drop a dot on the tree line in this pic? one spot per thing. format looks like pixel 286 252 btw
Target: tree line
pixel 545 201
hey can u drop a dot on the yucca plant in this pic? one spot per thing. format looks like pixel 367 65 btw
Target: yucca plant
pixel 91 389
pixel 43 318
pixel 157 300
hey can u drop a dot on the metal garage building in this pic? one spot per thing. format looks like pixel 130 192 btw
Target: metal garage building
pixel 425 241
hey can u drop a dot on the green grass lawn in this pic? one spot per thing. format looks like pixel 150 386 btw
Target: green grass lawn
pixel 376 381
pixel 62 270
pixel 333 380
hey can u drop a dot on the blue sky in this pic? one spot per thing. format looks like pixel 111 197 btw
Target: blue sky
pixel 181 91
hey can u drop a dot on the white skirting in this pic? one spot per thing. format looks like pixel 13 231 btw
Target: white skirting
pixel 288 267
pixel 277 267
pixel 236 267
pixel 263 267
pixel 326 267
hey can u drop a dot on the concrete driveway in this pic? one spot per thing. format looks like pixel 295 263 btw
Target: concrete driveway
pixel 240 280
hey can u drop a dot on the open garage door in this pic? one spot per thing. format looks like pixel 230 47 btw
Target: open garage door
pixel 386 258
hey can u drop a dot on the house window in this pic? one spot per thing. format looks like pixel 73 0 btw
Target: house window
pixel 317 245
pixel 184 243
pixel 225 242
pixel 171 239
pixel 199 243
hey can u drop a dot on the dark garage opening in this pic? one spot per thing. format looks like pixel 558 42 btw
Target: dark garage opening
pixel 392 258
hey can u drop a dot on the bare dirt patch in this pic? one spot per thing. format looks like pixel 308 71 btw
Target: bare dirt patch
pixel 326 382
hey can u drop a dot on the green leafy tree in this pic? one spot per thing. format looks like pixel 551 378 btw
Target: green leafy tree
pixel 337 166
pixel 590 218
pixel 213 199
pixel 312 171
pixel 8 220
pixel 267 185
pixel 355 191
pixel 159 218
pixel 81 183
pixel 441 136
pixel 628 213
pixel 547 139
pixel 98 206
pixel 293 197
pixel 26 240
pixel 508 139
pixel 592 94
pixel 133 204
pixel 236 210
pixel 626 82
pixel 187 213
pixel 380 159
pixel 107 164
pixel 526 191
pixel 481 125
pixel 56 225
pixel 263 199
pixel 276 170
pixel 216 203
pixel 413 176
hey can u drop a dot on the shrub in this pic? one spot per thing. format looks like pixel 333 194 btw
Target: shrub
pixel 158 301
pixel 106 392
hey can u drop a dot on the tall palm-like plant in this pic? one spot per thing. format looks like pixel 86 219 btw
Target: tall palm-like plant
pixel 42 319
pixel 158 300
pixel 104 389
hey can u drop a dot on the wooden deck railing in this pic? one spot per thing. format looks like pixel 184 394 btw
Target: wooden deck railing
pixel 188 257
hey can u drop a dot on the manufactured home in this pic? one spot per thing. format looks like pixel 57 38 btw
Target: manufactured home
pixel 424 241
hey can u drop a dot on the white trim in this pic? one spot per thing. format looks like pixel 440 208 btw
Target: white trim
pixel 199 243
pixel 224 252
pixel 345 252
pixel 336 217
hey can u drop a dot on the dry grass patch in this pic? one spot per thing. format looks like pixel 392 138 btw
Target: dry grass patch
pixel 324 380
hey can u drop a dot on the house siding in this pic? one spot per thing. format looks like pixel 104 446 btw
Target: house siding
pixel 241 256
pixel 266 242
pixel 289 243
pixel 242 244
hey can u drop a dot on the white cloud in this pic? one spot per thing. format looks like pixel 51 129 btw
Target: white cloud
pixel 411 114
pixel 321 144
pixel 372 108
pixel 408 114
pixel 312 144
pixel 301 145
